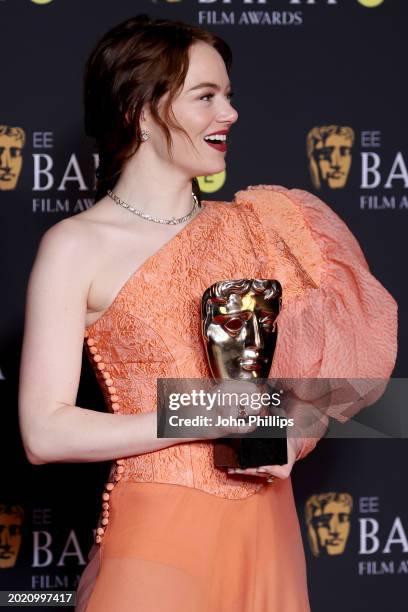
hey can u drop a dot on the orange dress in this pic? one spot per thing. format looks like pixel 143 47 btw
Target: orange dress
pixel 177 534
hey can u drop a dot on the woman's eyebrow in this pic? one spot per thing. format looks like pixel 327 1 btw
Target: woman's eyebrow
pixel 208 84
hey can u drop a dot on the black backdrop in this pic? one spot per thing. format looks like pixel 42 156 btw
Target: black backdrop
pixel 298 65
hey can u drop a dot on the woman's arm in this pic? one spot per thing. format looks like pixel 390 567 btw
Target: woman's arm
pixel 53 428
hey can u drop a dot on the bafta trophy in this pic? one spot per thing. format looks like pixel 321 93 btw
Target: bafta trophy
pixel 239 330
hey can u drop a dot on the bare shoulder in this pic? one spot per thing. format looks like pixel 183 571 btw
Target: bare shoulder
pixel 91 249
pixel 69 253
pixel 77 236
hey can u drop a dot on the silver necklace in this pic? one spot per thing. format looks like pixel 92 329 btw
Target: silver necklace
pixel 171 221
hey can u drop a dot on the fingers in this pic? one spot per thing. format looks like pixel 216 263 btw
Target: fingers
pixel 279 471
pixel 249 471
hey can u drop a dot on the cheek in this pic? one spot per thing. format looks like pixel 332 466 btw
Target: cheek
pixel 194 119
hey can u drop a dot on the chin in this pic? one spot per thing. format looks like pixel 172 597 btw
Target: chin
pixel 209 170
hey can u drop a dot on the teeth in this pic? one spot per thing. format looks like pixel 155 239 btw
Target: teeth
pixel 218 137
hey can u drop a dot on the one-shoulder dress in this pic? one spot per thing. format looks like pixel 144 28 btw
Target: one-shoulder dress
pixel 175 533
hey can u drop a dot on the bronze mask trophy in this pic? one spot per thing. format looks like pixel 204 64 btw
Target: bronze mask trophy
pixel 240 333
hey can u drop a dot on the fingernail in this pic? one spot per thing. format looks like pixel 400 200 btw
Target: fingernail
pixel 261 470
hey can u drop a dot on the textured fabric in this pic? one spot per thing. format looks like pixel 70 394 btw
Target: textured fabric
pixel 336 321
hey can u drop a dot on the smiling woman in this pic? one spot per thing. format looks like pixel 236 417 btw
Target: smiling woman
pixel 175 532
pixel 165 76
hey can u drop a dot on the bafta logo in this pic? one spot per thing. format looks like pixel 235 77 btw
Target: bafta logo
pixel 11 520
pixel 12 141
pixel 329 150
pixel 328 522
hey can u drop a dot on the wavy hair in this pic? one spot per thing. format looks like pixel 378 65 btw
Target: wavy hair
pixel 136 63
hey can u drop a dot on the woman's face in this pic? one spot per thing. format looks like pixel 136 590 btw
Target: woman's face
pixel 202 107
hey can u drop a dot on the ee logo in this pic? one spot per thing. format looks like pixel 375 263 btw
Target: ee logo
pixel 211 183
pixel 370 3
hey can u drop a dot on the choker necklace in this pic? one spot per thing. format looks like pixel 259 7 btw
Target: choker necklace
pixel 171 221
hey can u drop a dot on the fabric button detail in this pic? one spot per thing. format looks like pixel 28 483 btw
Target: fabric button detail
pixel 103 372
pixel 109 486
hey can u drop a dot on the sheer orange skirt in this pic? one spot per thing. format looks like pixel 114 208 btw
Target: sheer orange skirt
pixel 171 548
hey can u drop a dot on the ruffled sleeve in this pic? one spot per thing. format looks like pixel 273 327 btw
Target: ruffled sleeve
pixel 337 320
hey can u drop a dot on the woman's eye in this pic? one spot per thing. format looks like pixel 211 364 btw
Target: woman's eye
pixel 210 95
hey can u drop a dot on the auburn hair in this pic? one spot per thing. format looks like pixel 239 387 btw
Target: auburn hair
pixel 136 63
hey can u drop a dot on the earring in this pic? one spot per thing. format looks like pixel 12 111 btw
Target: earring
pixel 145 135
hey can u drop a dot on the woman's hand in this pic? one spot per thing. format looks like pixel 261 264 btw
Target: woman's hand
pixel 279 471
pixel 229 412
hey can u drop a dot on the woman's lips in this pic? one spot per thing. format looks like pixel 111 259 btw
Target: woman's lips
pixel 220 146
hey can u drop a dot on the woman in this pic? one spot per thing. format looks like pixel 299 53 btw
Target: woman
pixel 175 532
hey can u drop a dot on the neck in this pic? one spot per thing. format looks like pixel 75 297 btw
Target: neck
pixel 156 189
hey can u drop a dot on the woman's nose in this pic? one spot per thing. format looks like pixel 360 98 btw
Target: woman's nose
pixel 232 114
pixel 228 113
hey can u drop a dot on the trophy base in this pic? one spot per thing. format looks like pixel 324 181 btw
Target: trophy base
pixel 250 452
